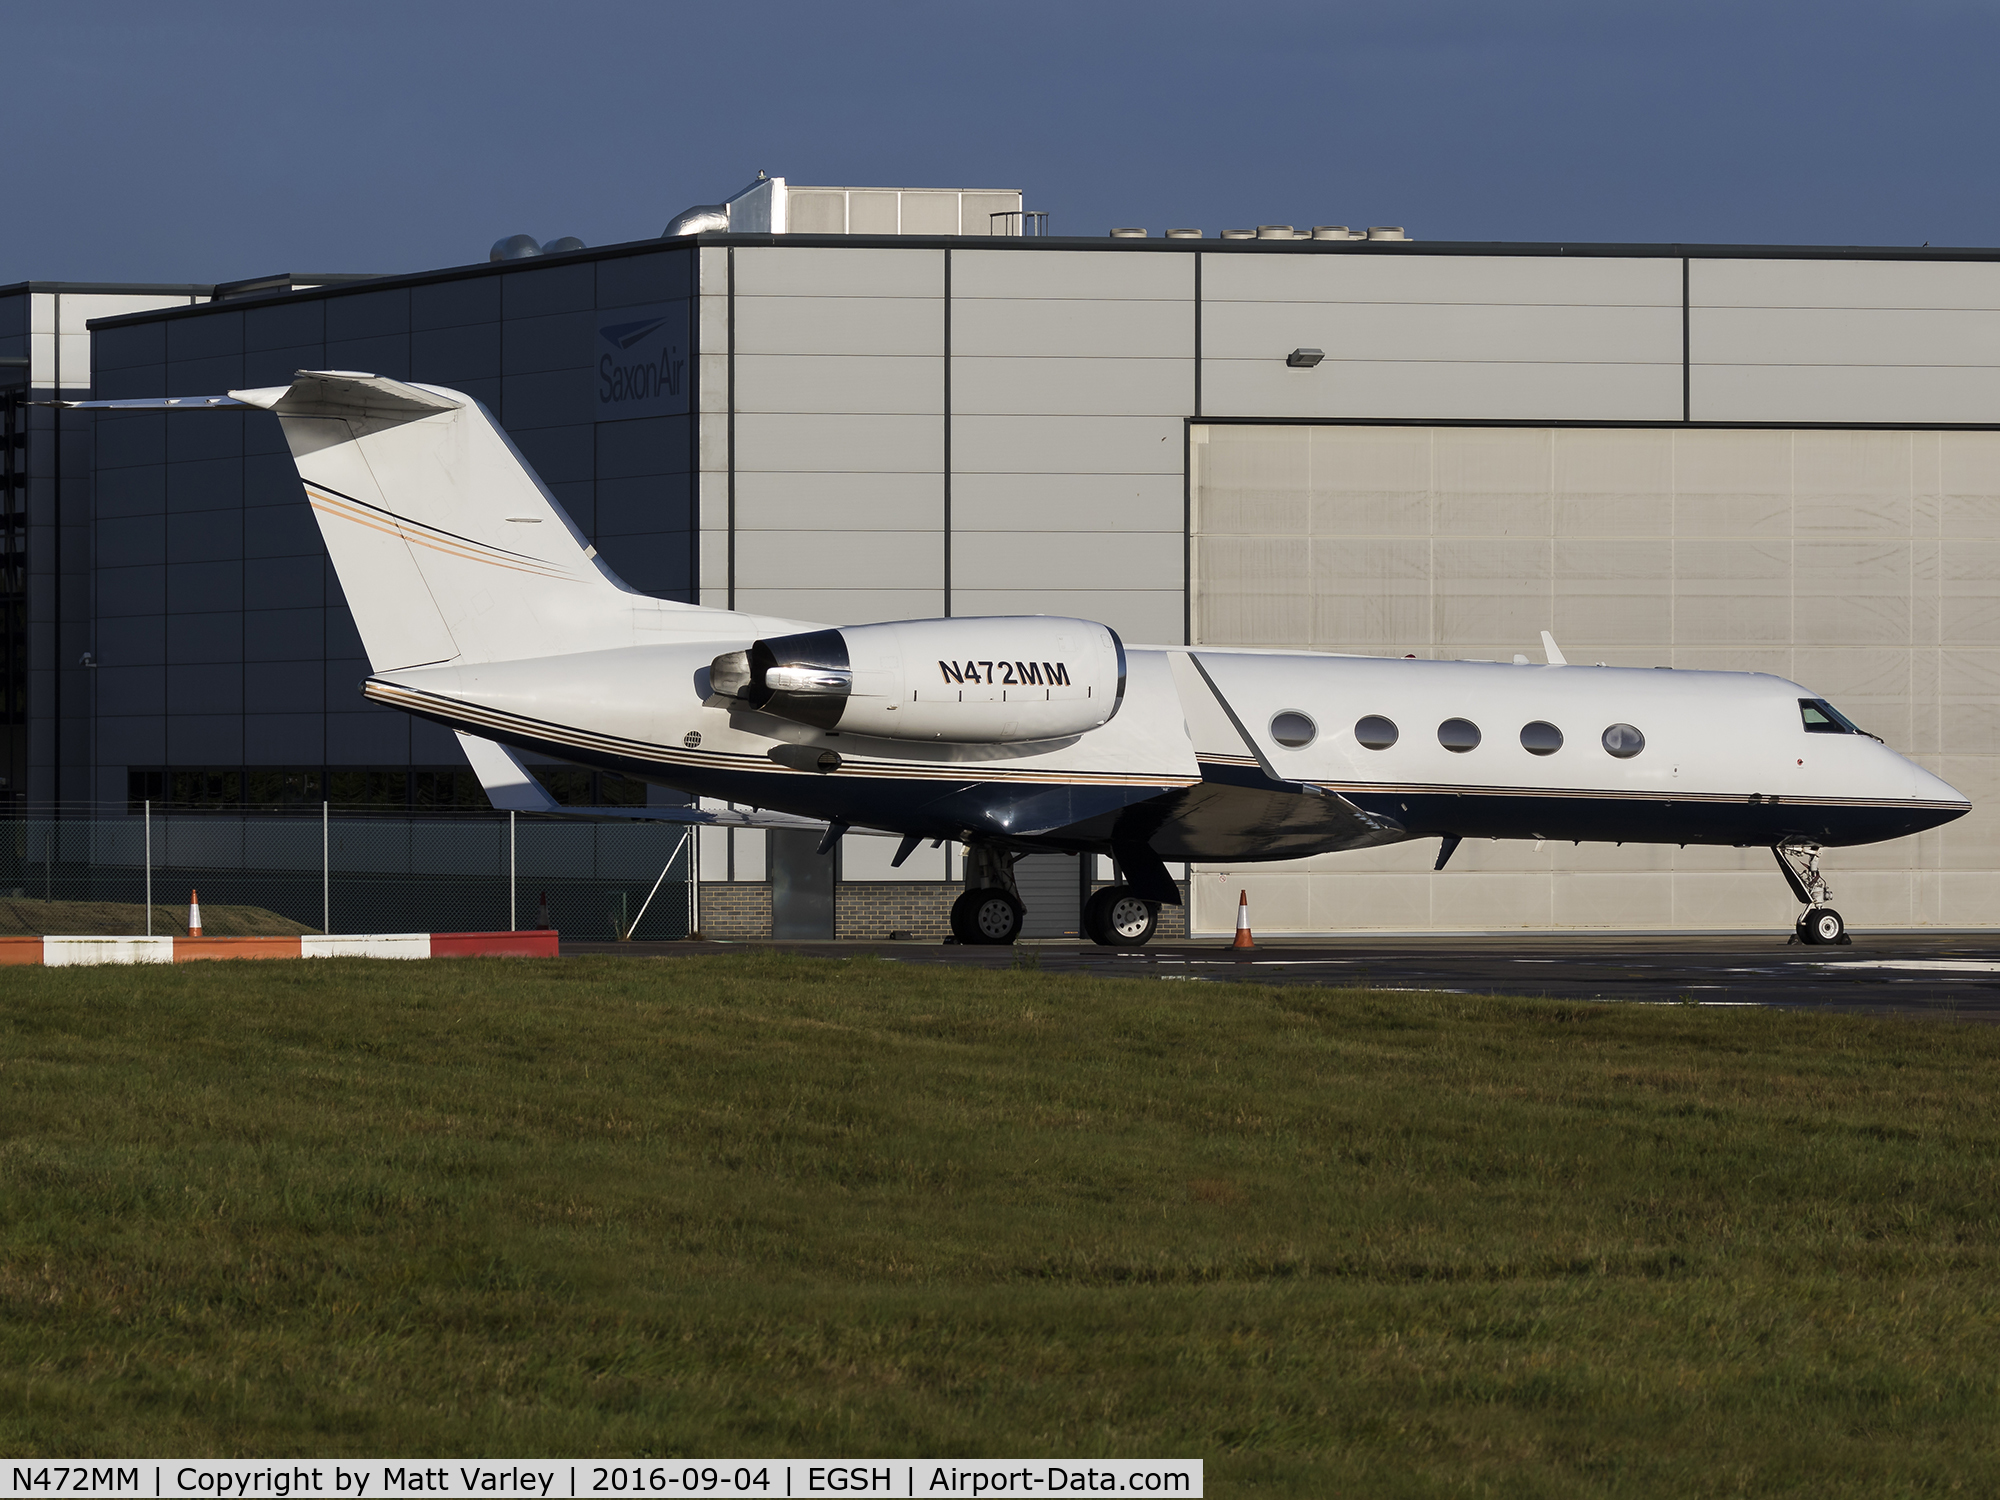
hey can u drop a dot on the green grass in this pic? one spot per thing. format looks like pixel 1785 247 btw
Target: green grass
pixel 1333 1242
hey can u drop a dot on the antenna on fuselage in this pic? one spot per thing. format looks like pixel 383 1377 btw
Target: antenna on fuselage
pixel 1553 651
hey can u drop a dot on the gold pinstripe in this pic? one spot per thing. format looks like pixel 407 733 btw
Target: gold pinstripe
pixel 327 503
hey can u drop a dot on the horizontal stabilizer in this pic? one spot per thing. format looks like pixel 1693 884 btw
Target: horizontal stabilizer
pixel 352 394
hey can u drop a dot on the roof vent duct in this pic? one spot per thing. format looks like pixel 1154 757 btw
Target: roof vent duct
pixel 700 219
pixel 1239 234
pixel 1274 231
pixel 1183 234
pixel 1386 232
pixel 515 247
pixel 1128 234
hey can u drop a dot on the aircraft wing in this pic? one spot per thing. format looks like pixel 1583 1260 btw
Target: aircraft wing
pixel 512 787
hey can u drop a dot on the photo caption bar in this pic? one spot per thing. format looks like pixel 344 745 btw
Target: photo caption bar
pixel 751 1478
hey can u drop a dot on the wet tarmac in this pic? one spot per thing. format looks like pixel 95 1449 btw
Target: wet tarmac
pixel 1944 976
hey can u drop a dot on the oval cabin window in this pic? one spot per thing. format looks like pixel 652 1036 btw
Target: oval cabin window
pixel 1540 738
pixel 1375 732
pixel 1293 729
pixel 1623 741
pixel 1459 735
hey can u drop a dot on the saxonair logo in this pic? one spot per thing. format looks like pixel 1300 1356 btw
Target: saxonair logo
pixel 642 363
pixel 1007 673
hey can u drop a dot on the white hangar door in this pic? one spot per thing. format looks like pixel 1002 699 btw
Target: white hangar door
pixel 1865 565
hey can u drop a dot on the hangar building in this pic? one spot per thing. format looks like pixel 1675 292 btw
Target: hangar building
pixel 866 404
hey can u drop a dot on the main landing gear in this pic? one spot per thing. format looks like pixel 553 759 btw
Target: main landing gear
pixel 1820 923
pixel 990 911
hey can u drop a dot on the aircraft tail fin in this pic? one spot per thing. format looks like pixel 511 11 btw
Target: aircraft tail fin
pixel 447 545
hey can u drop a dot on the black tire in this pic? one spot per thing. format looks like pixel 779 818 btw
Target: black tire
pixel 1115 918
pixel 987 915
pixel 1822 925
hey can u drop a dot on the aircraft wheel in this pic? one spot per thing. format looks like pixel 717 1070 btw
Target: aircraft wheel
pixel 1114 917
pixel 1823 925
pixel 986 915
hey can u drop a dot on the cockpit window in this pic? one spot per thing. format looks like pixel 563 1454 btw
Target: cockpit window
pixel 1821 717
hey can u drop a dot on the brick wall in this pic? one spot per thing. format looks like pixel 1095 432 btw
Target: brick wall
pixel 735 909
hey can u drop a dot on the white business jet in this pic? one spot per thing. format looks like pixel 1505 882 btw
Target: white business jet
pixel 483 608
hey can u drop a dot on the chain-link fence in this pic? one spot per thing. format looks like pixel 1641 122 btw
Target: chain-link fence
pixel 85 870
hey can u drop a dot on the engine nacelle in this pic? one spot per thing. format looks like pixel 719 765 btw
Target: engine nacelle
pixel 980 680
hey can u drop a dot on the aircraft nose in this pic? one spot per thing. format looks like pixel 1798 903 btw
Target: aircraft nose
pixel 1940 798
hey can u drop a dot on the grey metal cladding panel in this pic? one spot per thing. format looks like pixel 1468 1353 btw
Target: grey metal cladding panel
pixel 839 444
pixel 271 479
pixel 645 445
pixel 268 367
pixel 343 641
pixel 837 606
pixel 847 559
pixel 550 399
pixel 488 393
pixel 367 315
pixel 1833 393
pixel 280 688
pixel 285 635
pixel 195 738
pixel 1434 391
pixel 552 289
pixel 433 744
pixel 130 440
pixel 1001 559
pixel 214 484
pixel 205 688
pixel 1844 284
pixel 283 739
pixel 1844 336
pixel 1072 273
pixel 852 502
pixel 816 271
pixel 1517 334
pixel 387 354
pixel 445 356
pixel 280 531
pixel 139 590
pixel 1076 387
pixel 634 279
pixel 208 336
pixel 556 341
pixel 839 325
pixel 559 455
pixel 840 383
pixel 127 384
pixel 1065 445
pixel 577 499
pixel 1090 328
pixel 655 563
pixel 132 492
pixel 131 641
pixel 284 582
pixel 1140 616
pixel 204 435
pixel 653 502
pixel 130 690
pixel 287 326
pixel 120 348
pixel 14 315
pixel 1498 279
pixel 929 212
pixel 1065 502
pixel 205 536
pixel 131 541
pixel 367 739
pixel 453 304
pixel 205 377
pixel 344 676
pixel 215 637
pixel 976 210
pixel 125 742
pixel 808 212
pixel 204 586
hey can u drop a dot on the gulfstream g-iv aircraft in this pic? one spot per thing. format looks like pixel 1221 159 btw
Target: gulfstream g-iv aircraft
pixel 483 608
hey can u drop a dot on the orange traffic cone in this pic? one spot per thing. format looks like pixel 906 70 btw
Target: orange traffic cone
pixel 194 913
pixel 1243 938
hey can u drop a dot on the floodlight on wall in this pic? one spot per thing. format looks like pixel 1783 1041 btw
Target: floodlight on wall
pixel 1304 359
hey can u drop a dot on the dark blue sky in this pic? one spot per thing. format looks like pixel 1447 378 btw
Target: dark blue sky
pixel 206 142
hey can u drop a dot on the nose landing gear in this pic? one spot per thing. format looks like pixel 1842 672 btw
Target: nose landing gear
pixel 991 910
pixel 1819 923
